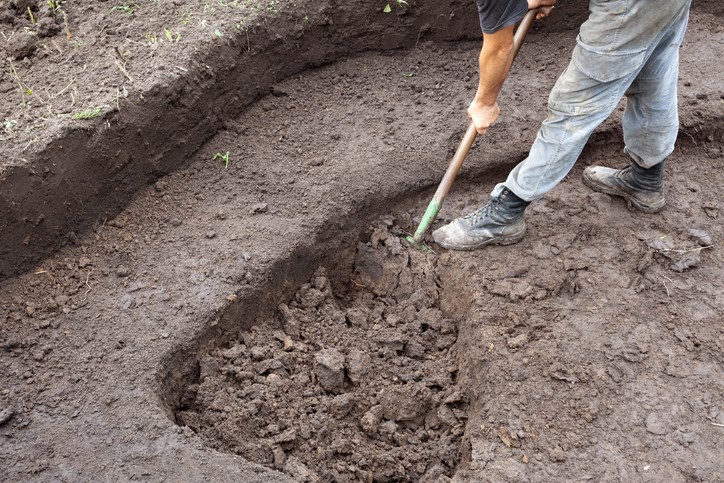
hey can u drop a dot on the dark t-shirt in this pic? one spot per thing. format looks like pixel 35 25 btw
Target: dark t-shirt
pixel 498 14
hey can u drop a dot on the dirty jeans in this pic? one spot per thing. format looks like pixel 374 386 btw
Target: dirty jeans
pixel 626 47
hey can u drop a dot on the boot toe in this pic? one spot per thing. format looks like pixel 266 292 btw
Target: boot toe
pixel 449 235
pixel 594 176
pixel 455 236
pixel 621 183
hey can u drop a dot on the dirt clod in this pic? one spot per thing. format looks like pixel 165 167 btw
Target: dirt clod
pixel 383 394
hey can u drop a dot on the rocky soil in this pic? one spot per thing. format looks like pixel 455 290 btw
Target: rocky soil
pixel 259 320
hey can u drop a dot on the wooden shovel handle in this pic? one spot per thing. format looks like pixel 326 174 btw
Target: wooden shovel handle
pixel 462 151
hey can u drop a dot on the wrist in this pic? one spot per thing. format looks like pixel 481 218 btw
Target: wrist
pixel 485 101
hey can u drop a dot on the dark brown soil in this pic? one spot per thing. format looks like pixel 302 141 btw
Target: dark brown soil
pixel 90 120
pixel 360 387
pixel 590 350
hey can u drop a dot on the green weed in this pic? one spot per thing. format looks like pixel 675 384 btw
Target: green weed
pixel 223 157
pixel 388 7
pixel 55 5
pixel 90 113
pixel 123 8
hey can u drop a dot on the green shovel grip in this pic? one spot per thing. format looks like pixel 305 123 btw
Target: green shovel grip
pixel 427 219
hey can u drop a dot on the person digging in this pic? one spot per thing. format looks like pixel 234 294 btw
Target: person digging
pixel 624 48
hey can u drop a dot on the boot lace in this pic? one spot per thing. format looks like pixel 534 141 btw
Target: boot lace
pixel 478 215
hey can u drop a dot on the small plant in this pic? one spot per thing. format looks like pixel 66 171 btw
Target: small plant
pixel 30 15
pixel 218 34
pixel 185 19
pixel 400 3
pixel 24 89
pixel 123 8
pixel 9 127
pixel 223 157
pixel 151 38
pixel 55 5
pixel 172 36
pixel 90 113
pixel 66 24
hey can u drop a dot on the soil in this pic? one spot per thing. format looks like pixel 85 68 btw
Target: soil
pixel 219 327
pixel 88 119
pixel 360 387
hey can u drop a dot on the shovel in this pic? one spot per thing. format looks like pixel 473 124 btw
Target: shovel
pixel 462 151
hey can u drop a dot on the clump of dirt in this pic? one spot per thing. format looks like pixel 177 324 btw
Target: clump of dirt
pixel 356 386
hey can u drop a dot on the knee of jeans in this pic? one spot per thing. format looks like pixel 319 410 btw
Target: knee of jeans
pixel 652 121
pixel 577 94
pixel 568 108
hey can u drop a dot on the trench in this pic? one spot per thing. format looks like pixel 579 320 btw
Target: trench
pixel 364 360
pixel 361 360
pixel 384 363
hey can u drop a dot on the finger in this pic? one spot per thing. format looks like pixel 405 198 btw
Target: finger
pixel 545 10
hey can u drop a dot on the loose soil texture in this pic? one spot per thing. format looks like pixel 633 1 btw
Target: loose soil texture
pixel 592 349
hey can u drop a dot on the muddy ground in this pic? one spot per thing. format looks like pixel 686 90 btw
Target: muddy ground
pixel 137 88
pixel 265 311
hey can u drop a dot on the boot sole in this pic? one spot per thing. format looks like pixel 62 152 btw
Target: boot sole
pixel 503 240
pixel 650 209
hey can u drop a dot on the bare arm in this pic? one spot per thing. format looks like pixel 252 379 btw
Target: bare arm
pixel 496 58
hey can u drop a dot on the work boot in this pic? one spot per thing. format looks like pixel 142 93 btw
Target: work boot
pixel 641 187
pixel 500 222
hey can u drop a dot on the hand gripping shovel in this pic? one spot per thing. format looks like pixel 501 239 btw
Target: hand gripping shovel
pixel 457 161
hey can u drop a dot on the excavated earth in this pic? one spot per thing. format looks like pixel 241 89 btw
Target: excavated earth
pixel 254 314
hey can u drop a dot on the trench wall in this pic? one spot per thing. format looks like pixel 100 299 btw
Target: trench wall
pixel 83 175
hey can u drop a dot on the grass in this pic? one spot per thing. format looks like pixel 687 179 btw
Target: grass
pixel 90 113
pixel 123 8
pixel 223 157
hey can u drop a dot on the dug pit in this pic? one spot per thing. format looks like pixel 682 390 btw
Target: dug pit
pixel 592 347
pixel 356 384
pixel 539 360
